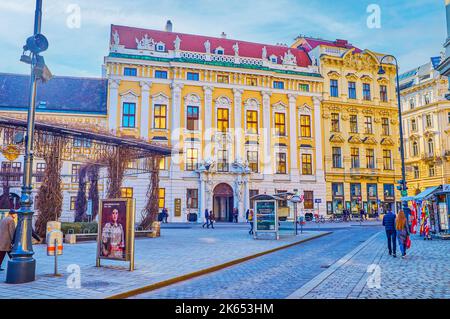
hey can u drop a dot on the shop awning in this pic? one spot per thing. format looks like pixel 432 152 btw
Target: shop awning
pixel 424 195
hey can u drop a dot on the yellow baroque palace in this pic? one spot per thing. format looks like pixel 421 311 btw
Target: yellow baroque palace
pixel 243 118
pixel 360 123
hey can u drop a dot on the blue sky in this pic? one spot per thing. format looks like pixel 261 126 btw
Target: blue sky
pixel 411 30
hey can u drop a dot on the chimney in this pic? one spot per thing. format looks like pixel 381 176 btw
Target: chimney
pixel 223 35
pixel 169 26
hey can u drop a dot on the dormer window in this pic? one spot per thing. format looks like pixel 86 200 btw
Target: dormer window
pixel 274 59
pixel 160 47
pixel 220 51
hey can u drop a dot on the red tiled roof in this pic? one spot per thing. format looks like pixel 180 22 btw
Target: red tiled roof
pixel 312 43
pixel 195 43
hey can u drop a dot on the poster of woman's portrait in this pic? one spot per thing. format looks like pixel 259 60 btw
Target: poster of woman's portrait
pixel 113 230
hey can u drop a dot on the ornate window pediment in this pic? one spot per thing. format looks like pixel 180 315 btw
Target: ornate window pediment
pixel 305 109
pixel 370 140
pixel 160 98
pixel 192 99
pixel 252 104
pixel 334 75
pixel 383 81
pixel 387 141
pixel 354 139
pixel 366 78
pixel 130 96
pixel 352 76
pixel 279 106
pixel 336 138
pixel 223 101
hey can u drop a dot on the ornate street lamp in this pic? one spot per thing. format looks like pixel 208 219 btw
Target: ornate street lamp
pixel 22 266
pixel 296 199
pixel 402 187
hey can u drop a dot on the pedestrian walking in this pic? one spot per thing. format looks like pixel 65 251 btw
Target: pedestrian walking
pixel 206 219
pixel 389 225
pixel 362 213
pixel 235 215
pixel 401 227
pixel 7 230
pixel 212 219
pixel 249 216
pixel 165 215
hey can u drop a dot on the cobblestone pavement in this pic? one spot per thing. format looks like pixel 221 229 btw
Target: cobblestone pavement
pixel 272 276
pixel 178 252
pixel 423 274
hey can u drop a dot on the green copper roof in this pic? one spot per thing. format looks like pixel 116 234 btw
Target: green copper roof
pixel 214 63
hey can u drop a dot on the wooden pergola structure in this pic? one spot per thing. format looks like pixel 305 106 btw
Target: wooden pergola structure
pixel 94 147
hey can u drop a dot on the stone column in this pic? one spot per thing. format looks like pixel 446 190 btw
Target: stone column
pixel 114 106
pixel 208 125
pixel 320 176
pixel 202 197
pixel 175 128
pixel 293 135
pixel 246 198
pixel 238 132
pixel 145 108
pixel 267 134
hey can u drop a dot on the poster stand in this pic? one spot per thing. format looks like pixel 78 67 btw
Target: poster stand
pixel 115 242
pixel 266 219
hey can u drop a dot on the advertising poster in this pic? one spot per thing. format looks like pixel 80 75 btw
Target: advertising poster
pixel 266 216
pixel 116 235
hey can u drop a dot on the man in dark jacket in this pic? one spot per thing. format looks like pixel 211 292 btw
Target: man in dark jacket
pixel 206 218
pixel 391 233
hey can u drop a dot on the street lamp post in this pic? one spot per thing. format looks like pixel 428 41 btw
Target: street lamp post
pixel 22 266
pixel 403 186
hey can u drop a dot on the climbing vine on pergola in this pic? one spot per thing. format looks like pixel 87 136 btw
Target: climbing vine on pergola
pixel 95 148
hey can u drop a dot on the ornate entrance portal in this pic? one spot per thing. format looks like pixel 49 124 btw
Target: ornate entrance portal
pixel 223 203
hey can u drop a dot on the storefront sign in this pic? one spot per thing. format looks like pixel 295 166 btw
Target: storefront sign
pixel 115 239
